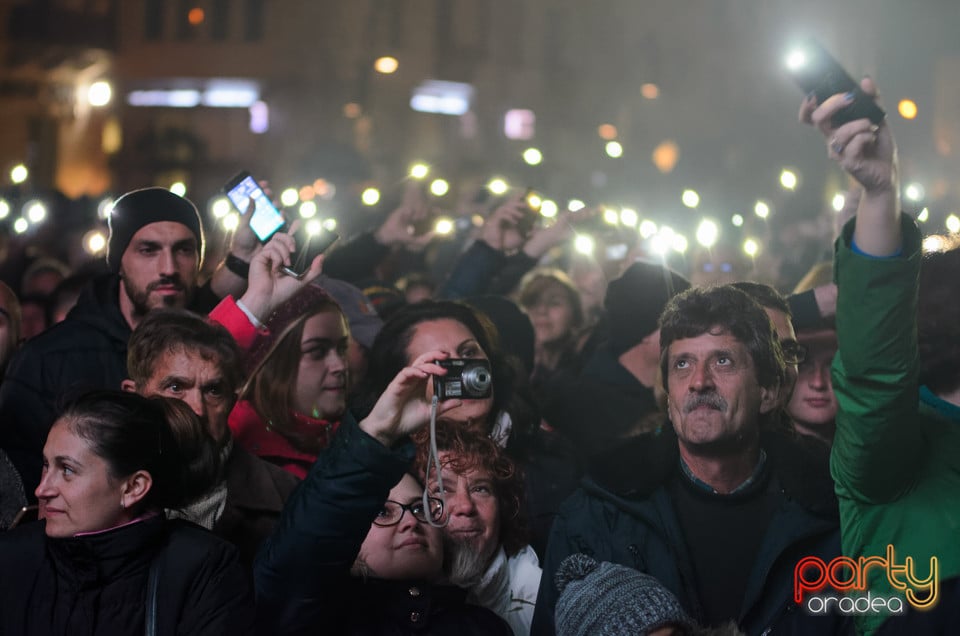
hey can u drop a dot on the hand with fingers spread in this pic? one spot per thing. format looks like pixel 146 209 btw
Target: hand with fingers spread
pixel 404 406
pixel 543 239
pixel 269 286
pixel 500 230
pixel 868 153
pixel 400 229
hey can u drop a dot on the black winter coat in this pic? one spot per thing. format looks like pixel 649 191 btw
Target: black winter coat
pixel 95 585
pixel 302 573
pixel 623 513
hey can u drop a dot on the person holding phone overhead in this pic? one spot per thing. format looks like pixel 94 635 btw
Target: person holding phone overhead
pixel 104 560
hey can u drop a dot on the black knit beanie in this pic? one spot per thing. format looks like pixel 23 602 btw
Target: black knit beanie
pixel 635 301
pixel 136 209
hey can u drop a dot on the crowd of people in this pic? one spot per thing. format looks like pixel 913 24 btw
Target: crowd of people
pixel 506 451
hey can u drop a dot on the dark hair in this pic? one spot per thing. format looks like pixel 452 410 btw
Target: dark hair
pixel 470 450
pixel 388 357
pixel 764 295
pixel 705 309
pixel 938 321
pixel 159 435
pixel 165 331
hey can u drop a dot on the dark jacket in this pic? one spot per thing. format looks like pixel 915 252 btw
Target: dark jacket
pixel 256 493
pixel 96 584
pixel 88 350
pixel 302 573
pixel 624 514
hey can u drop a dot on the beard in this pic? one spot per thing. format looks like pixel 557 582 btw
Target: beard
pixel 464 562
pixel 140 297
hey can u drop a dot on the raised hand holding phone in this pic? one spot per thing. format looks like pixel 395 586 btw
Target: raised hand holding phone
pixel 265 220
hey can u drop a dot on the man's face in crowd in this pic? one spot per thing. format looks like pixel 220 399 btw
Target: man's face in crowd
pixel 714 398
pixel 195 379
pixel 473 512
pixel 160 266
pixel 788 341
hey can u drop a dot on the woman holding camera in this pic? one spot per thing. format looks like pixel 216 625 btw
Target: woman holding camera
pixel 104 559
pixel 355 551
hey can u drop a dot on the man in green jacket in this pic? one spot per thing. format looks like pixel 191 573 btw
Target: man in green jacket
pixel 896 465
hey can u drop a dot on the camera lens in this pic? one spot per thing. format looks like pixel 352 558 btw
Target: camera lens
pixel 476 380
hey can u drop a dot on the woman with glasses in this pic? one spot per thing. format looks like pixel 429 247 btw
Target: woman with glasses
pixel 356 550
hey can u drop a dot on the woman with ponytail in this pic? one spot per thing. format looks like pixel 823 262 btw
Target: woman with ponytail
pixel 103 559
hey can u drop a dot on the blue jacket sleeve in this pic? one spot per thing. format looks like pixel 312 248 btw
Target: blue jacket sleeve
pixel 302 566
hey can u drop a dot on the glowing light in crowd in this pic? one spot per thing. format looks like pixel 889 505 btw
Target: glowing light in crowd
pixel 306 193
pixel 839 200
pixel 231 222
pixel 924 215
pixel 386 65
pixel 584 244
pixel 659 244
pixel 419 170
pixel 629 217
pixel 665 156
pixel 933 243
pixel 647 228
pixel 679 243
pixel 907 108
pixel 607 131
pixel 953 223
pixel 259 117
pixel 761 209
pixel 195 16
pixel 667 232
pixel 289 197
pixel 313 227
pixel 370 196
pixel 220 207
pixel 796 60
pixel 707 233
pixel 548 209
pixel 614 149
pixel 352 110
pixel 105 208
pixel 439 187
pixel 611 217
pixel 324 189
pixel 99 93
pixel 4 209
pixel 737 220
pixel 575 205
pixel 19 173
pixel 20 225
pixel 534 200
pixel 690 198
pixel 532 156
pixel 650 90
pixel 94 242
pixel 914 191
pixel 36 211
pixel 498 186
pixel 751 247
pixel 788 179
pixel 443 226
pixel 308 209
pixel 179 188
pixel 330 224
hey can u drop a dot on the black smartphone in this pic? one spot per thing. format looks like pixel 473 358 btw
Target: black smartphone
pixel 26 514
pixel 312 240
pixel 267 219
pixel 816 71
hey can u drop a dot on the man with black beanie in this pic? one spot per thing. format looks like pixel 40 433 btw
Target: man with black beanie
pixel 612 396
pixel 154 256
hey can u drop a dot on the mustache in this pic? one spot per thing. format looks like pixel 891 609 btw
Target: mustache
pixel 712 400
pixel 166 280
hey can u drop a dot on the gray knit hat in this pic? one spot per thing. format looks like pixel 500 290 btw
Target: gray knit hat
pixel 605 599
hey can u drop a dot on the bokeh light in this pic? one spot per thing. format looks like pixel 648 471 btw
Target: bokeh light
pixel 370 196
pixel 439 187
pixel 532 156
pixel 386 65
pixel 614 149
pixel 907 108
pixel 289 197
pixel 707 233
pixel 690 198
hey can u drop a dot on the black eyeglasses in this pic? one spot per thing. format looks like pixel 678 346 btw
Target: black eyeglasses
pixel 393 512
pixel 793 351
